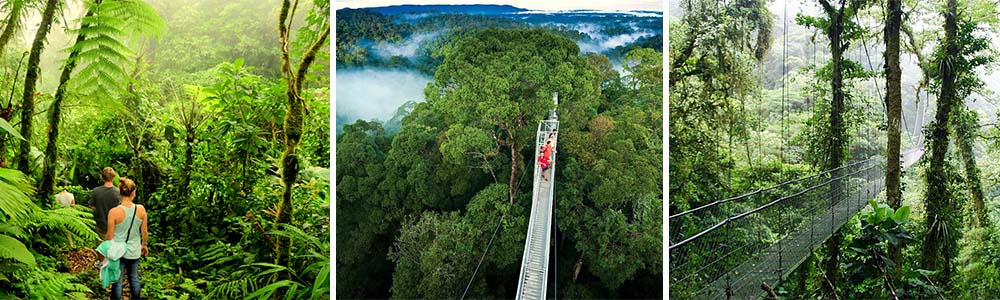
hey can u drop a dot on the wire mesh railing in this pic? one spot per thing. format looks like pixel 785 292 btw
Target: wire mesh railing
pixel 685 224
pixel 533 278
pixel 763 235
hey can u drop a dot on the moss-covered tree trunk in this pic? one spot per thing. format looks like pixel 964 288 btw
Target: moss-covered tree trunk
pixel 966 124
pixel 16 9
pixel 293 130
pixel 30 79
pixel 894 102
pixel 293 121
pixel 55 116
pixel 838 134
pixel 7 113
pixel 188 159
pixel 935 255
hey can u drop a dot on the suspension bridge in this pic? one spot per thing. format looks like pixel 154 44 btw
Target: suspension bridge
pixel 728 248
pixel 532 283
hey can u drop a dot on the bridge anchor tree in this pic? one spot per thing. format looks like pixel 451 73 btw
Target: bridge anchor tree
pixel 839 28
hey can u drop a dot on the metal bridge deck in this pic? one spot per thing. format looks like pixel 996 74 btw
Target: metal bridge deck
pixel 533 279
pixel 768 262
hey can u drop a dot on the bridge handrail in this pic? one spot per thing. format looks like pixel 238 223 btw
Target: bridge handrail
pixel 772 203
pixel 717 202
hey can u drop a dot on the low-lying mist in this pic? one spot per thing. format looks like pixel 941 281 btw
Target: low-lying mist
pixel 407 47
pixel 600 42
pixel 375 93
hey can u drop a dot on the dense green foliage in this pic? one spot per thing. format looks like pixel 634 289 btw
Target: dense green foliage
pixel 780 111
pixel 417 209
pixel 190 106
pixel 362 34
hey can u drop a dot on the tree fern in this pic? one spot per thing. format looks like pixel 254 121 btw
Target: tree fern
pixel 41 283
pixel 77 222
pixel 14 195
pixel 13 231
pixel 104 55
pixel 15 205
pixel 14 13
pixel 310 281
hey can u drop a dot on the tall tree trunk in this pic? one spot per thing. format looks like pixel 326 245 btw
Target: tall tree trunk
pixel 188 161
pixel 915 48
pixel 293 122
pixel 838 137
pixel 966 125
pixel 30 79
pixel 51 149
pixel 938 224
pixel 515 159
pixel 837 145
pixel 7 112
pixel 894 102
pixel 17 8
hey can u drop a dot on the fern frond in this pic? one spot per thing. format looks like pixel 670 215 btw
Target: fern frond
pixel 297 235
pixel 14 231
pixel 79 223
pixel 236 286
pixel 103 54
pixel 143 18
pixel 15 193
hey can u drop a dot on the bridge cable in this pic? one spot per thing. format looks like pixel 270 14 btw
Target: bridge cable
pixel 784 76
pixel 864 43
pixel 761 80
pixel 488 246
pixel 784 66
pixel 812 96
pixel 520 179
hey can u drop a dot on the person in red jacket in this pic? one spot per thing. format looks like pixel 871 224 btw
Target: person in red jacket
pixel 545 160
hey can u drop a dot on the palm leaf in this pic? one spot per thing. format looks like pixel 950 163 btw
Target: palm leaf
pixel 268 290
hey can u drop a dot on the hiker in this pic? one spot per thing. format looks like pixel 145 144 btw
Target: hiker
pixel 127 224
pixel 545 160
pixel 103 198
pixel 65 197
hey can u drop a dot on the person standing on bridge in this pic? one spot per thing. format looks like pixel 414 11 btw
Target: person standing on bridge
pixel 545 160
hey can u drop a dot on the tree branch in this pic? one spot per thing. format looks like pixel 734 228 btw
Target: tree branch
pixel 827 7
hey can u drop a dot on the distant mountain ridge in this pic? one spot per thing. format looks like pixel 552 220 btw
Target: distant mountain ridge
pixel 479 9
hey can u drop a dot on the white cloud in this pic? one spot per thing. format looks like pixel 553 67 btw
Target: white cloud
pixel 376 93
pixel 651 5
pixel 405 48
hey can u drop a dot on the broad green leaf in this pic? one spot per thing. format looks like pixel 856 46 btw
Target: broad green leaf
pixel 11 248
pixel 902 215
pixel 10 129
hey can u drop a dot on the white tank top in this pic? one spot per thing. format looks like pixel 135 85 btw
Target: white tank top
pixel 65 198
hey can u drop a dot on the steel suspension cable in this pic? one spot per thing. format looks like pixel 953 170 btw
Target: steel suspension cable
pixel 488 246
pixel 864 43
pixel 784 66
pixel 769 204
pixel 717 202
